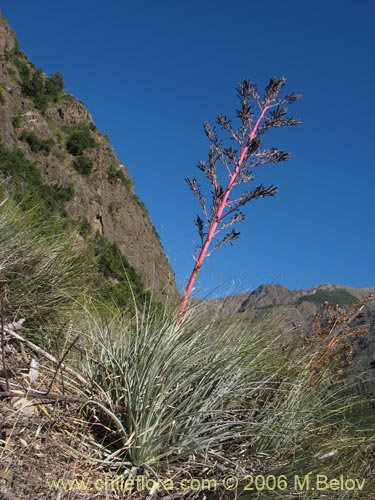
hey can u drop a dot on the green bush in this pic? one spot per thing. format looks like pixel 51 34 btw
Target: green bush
pixel 62 193
pixel 34 84
pixel 29 188
pixel 36 144
pixel 79 140
pixel 84 228
pixel 20 61
pixel 115 173
pixel 83 164
pixel 54 87
pixel 123 284
pixel 16 120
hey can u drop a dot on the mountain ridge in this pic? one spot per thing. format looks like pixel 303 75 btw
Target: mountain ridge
pixel 291 313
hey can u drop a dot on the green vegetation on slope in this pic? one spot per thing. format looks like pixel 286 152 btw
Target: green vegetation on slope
pixel 42 275
pixel 339 296
pixel 115 173
pixel 83 164
pixel 36 144
pixel 24 182
pixel 122 285
pixel 80 138
pixel 43 90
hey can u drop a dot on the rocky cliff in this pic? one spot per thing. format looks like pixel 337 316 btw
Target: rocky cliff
pixel 56 132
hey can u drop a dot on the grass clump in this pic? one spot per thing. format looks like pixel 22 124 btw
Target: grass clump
pixel 41 274
pixel 175 392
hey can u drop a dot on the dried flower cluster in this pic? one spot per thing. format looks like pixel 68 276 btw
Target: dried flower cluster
pixel 335 327
pixel 256 115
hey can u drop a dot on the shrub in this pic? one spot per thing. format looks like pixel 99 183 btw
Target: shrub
pixel 28 187
pixel 63 193
pixel 24 175
pixel 54 87
pixel 16 120
pixel 123 284
pixel 36 144
pixel 20 61
pixel 79 140
pixel 114 173
pixel 84 228
pixel 34 84
pixel 83 164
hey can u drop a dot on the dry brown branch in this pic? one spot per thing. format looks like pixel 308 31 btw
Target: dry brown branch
pixel 32 394
pixel 48 356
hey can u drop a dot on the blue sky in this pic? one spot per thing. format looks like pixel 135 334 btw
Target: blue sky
pixel 152 72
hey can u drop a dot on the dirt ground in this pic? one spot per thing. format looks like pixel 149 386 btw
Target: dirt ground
pixel 41 453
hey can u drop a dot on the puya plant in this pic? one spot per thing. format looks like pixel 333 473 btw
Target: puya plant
pixel 256 116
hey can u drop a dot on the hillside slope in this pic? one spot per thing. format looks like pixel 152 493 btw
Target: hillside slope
pixel 291 313
pixel 56 132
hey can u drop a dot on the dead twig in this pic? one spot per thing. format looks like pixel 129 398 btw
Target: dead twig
pixel 48 356
pixel 32 394
pixel 4 301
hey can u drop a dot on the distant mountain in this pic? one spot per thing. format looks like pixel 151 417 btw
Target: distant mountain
pixel 291 312
pixel 55 132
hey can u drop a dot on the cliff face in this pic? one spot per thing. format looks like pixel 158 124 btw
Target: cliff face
pixel 56 132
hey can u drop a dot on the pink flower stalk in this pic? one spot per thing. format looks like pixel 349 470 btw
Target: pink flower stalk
pixel 239 166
